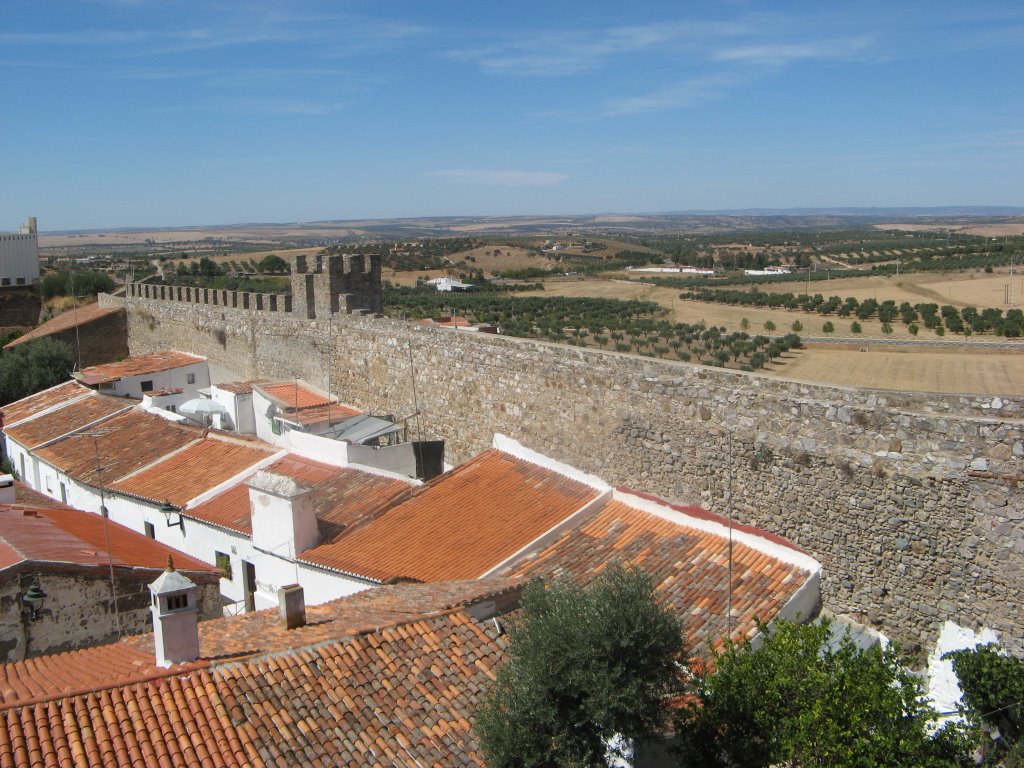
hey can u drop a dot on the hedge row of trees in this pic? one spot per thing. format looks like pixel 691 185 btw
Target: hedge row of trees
pixel 623 326
pixel 80 282
pixel 967 321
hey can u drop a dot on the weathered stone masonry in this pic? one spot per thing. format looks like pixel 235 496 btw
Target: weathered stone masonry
pixel 911 501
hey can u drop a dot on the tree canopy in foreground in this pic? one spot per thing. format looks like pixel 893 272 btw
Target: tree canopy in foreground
pixel 586 664
pixel 34 366
pixel 798 701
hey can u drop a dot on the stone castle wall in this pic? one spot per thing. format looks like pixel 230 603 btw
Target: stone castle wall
pixel 912 502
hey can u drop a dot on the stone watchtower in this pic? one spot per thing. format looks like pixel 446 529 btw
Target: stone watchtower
pixel 346 284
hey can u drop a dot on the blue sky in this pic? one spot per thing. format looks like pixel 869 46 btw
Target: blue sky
pixel 145 113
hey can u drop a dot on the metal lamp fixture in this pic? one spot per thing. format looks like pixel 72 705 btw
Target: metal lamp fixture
pixel 169 509
pixel 34 598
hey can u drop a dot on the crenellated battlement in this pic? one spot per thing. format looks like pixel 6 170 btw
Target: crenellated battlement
pixel 321 287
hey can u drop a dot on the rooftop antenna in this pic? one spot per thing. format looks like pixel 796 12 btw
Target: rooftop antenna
pixel 74 308
pixel 106 525
pixel 729 510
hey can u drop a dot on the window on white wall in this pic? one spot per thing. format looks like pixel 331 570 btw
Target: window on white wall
pixel 190 378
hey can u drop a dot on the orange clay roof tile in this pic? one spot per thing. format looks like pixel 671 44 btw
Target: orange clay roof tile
pixel 41 401
pixel 235 638
pixel 690 568
pixel 65 320
pixel 137 366
pixel 292 394
pixel 198 468
pixel 74 415
pixel 343 497
pixel 461 524
pixel 122 444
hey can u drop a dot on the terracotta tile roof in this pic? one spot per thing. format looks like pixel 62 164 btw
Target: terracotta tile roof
pixel 75 415
pixel 320 414
pixel 65 320
pixel 399 695
pixel 29 498
pixel 124 443
pixel 343 497
pixel 137 366
pixel 235 638
pixel 292 395
pixel 41 401
pixel 689 566
pixel 461 524
pixel 65 535
pixel 193 471
pixel 239 387
pixel 404 696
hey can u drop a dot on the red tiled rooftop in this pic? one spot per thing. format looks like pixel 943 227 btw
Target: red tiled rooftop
pixel 193 471
pixel 122 444
pixel 461 524
pixel 65 320
pixel 74 415
pixel 292 394
pixel 399 693
pixel 690 568
pixel 230 639
pixel 50 535
pixel 321 414
pixel 41 401
pixel 239 387
pixel 137 366
pixel 343 497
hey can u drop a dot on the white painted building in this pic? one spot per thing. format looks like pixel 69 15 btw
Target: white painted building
pixel 145 374
pixel 19 255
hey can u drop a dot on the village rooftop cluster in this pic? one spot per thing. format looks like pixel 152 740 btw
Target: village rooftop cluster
pixel 303 530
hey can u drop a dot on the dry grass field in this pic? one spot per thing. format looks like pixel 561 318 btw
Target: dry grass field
pixel 974 368
pixel 960 289
pixel 922 371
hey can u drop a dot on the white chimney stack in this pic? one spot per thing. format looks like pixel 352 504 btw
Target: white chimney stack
pixel 283 518
pixel 175 618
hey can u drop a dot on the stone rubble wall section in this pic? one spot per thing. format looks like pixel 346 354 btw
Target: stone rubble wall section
pixel 912 502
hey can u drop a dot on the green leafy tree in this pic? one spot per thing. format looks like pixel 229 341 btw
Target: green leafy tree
pixel 273 263
pixel 855 327
pixel 887 329
pixel 828 327
pixel 769 326
pixel 798 701
pixel 744 324
pixel 993 697
pixel 29 368
pixel 586 664
pixel 797 326
pixel 913 328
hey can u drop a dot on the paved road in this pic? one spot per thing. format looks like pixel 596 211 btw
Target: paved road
pixel 1017 346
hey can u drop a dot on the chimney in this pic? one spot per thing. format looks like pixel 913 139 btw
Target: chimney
pixel 291 603
pixel 283 519
pixel 175 618
pixel 6 489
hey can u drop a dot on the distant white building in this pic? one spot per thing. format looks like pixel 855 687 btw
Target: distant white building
pixel 449 284
pixel 19 256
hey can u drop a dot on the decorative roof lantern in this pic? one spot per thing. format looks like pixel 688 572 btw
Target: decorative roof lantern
pixel 175 618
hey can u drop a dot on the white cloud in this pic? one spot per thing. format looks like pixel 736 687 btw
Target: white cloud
pixel 677 96
pixel 572 53
pixel 503 178
pixel 781 54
